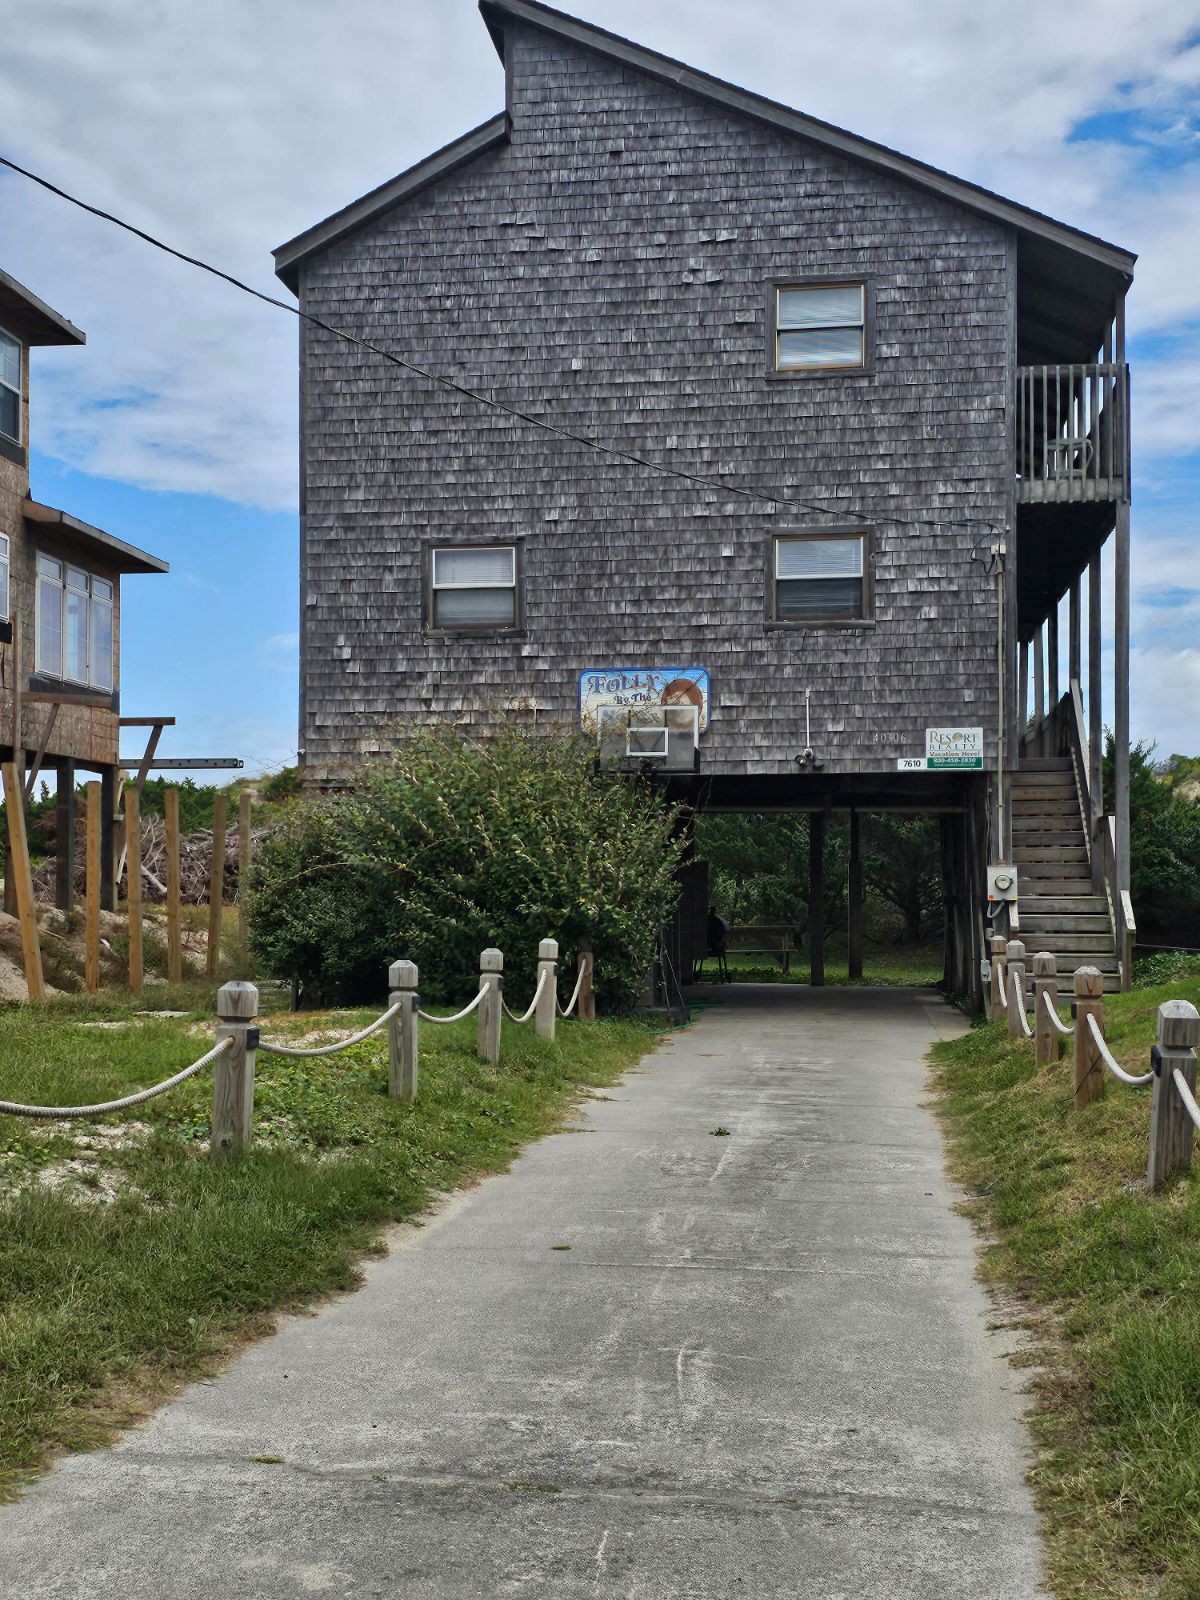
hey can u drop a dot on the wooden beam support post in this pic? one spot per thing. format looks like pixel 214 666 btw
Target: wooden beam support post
pixel 1039 680
pixel 91 926
pixel 488 1013
pixel 64 838
pixel 1023 689
pixel 1171 1128
pixel 1121 695
pixel 585 1008
pixel 174 933
pixel 133 892
pixel 233 1071
pixel 1014 966
pixel 108 815
pixel 1045 987
pixel 22 880
pixel 1074 633
pixel 245 803
pixel 216 887
pixel 402 1030
pixel 999 1005
pixel 1089 1069
pixel 854 900
pixel 816 899
pixel 545 1013
pixel 1052 657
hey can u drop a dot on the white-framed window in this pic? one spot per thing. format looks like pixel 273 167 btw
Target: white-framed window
pixel 820 325
pixel 10 387
pixel 73 624
pixel 4 612
pixel 473 586
pixel 819 578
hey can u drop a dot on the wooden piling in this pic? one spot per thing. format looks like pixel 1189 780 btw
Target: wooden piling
pixel 402 1030
pixel 91 899
pixel 1171 1128
pixel 233 1070
pixel 1045 989
pixel 1089 1069
pixel 1014 981
pixel 174 933
pixel 586 1007
pixel 133 884
pixel 245 802
pixel 22 880
pixel 216 887
pixel 488 1013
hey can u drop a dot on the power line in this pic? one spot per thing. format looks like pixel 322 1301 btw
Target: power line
pixel 487 400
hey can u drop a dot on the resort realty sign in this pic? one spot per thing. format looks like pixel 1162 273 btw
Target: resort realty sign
pixel 947 750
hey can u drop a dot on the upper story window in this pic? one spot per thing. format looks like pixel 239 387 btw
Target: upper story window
pixel 10 387
pixel 819 578
pixel 73 624
pixel 474 586
pixel 4 612
pixel 819 326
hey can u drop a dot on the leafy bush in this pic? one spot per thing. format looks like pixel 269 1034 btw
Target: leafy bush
pixel 451 844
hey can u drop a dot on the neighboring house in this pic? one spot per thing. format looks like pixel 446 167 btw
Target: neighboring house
pixel 908 398
pixel 60 604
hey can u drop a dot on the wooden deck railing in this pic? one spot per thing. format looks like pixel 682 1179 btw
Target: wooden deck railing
pixel 1072 425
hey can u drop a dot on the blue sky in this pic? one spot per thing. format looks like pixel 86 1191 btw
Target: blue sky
pixel 175 427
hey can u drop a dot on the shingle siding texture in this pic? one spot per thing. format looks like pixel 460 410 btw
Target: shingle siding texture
pixel 623 296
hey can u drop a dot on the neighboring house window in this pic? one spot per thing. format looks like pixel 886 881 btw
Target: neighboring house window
pixel 474 586
pixel 820 326
pixel 74 624
pixel 819 578
pixel 3 575
pixel 10 387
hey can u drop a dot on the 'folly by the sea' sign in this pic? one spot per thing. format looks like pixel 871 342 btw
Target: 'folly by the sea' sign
pixel 642 688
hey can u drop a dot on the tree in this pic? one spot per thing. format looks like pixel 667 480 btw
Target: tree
pixel 903 865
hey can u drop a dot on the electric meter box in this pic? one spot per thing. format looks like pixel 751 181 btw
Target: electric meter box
pixel 1002 882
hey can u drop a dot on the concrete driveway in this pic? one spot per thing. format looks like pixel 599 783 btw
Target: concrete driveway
pixel 761 1368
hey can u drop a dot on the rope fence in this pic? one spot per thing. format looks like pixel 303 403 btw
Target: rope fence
pixel 1174 1111
pixel 239 1042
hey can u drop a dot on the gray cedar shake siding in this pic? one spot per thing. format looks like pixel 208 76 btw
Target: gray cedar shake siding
pixel 607 268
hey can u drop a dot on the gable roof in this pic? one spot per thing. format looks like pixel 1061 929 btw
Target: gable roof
pixel 1069 255
pixel 40 324
pixel 742 101
pixel 358 213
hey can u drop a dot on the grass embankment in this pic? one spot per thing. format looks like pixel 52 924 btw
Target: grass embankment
pixel 128 1259
pixel 1110 1276
pixel 899 966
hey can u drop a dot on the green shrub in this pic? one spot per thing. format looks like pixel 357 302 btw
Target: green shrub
pixel 451 844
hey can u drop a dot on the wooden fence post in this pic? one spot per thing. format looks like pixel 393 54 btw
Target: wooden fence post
pixel 586 1007
pixel 402 1030
pixel 91 901
pixel 1014 979
pixel 1045 984
pixel 133 883
pixel 245 802
pixel 233 1071
pixel 999 978
pixel 216 887
pixel 1170 1124
pixel 22 880
pixel 546 1012
pixel 1089 1069
pixel 487 1028
pixel 174 936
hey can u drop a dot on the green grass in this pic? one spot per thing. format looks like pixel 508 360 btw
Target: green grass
pixel 1109 1276
pixel 154 1260
pixel 903 966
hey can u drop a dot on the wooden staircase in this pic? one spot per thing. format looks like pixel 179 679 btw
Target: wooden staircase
pixel 1060 911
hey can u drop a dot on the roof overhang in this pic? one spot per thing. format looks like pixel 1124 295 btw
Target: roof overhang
pixel 37 323
pixel 124 557
pixel 855 148
pixel 290 256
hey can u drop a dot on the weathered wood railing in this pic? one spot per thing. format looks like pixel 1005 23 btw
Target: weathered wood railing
pixel 1174 1112
pixel 1072 427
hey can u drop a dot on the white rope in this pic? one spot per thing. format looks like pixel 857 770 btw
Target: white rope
pixel 458 1015
pixel 537 995
pixel 565 1011
pixel 1015 997
pixel 13 1109
pixel 1051 1011
pixel 1107 1058
pixel 1186 1095
pixel 332 1049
